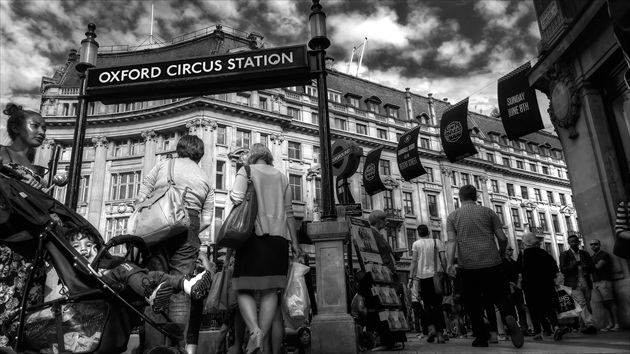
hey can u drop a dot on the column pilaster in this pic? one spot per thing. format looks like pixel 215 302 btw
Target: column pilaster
pixel 277 140
pixel 99 171
pixel 448 189
pixel 150 148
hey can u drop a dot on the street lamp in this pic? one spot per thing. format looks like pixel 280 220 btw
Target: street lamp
pixel 89 49
pixel 318 43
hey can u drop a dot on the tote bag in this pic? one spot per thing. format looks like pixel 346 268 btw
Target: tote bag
pixel 239 224
pixel 162 214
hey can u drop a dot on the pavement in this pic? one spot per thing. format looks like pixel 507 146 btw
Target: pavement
pixel 602 342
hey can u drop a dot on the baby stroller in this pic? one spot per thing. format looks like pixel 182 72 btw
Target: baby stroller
pixel 92 316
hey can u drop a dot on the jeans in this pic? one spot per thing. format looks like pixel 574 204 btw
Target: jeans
pixel 582 295
pixel 432 304
pixel 485 284
pixel 177 257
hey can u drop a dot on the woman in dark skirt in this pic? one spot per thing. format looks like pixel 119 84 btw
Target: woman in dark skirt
pixel 262 263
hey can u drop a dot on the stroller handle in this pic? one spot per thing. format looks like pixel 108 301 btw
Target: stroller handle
pixel 119 240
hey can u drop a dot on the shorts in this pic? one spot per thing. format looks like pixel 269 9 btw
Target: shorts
pixel 604 288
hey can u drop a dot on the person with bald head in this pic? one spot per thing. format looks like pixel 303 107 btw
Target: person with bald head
pixel 539 280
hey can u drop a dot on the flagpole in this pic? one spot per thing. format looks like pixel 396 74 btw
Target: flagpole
pixel 361 58
pixel 351 59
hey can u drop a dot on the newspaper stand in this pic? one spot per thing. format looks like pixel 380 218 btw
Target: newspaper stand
pixel 385 315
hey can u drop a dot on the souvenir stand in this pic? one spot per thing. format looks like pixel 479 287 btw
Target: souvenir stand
pixel 385 315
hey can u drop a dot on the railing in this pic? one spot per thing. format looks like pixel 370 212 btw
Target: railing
pixel 70 91
pixel 338 107
pixel 293 95
pixel 395 213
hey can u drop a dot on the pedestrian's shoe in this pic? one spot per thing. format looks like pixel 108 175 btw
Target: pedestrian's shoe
pixel 615 329
pixel 440 338
pixel 538 337
pixel 255 343
pixel 559 332
pixel 589 330
pixel 502 337
pixel 432 335
pixel 525 332
pixel 515 331
pixel 481 341
pixel 160 297
pixel 493 338
pixel 198 286
pixel 605 329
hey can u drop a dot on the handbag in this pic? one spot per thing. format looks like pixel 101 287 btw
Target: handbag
pixel 239 224
pixel 441 281
pixel 295 304
pixel 162 214
pixel 567 306
pixel 222 296
pixel 622 246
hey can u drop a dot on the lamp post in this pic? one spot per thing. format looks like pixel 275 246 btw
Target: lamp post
pixel 318 43
pixel 89 49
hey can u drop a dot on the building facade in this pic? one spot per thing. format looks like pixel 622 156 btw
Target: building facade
pixel 524 181
pixel 581 69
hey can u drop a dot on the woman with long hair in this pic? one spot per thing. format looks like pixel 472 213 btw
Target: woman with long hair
pixel 262 262
pixel 27 130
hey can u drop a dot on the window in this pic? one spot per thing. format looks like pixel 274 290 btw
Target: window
pixel 66 109
pixel 504 140
pixel 560 174
pixel 436 234
pixel 168 143
pixel 388 200
pixel 392 112
pixel 243 138
pixel 220 176
pixel 530 218
pixel 121 148
pixel 311 90
pixel 425 143
pixel 433 207
pixel 563 201
pixel 381 133
pixel 516 219
pixel 550 198
pixel 373 107
pixel 411 238
pixel 84 189
pixel 398 136
pixel 264 139
pixel 125 185
pixel 533 167
pixel 262 103
pixel 88 151
pixel 510 189
pixel 454 178
pixel 242 98
pixel 295 150
pixel 362 129
pixel 137 147
pixel 543 222
pixel 314 118
pixel 115 227
pixel 465 179
pixel 221 135
pixel 519 165
pixel 456 202
pixel 495 185
pixel 524 193
pixel 408 203
pixel 353 101
pixel 429 174
pixel 556 223
pixel 366 199
pixel 91 108
pixel 316 154
pixel 506 162
pixel 567 220
pixel 334 97
pixel 545 170
pixel 537 194
pixel 391 237
pixel 384 168
pixel 494 138
pixel 498 208
pixel 318 192
pixel 477 182
pixel 294 113
pixel 340 123
pixel 295 182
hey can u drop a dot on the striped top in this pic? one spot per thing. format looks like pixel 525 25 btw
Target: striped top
pixel 623 218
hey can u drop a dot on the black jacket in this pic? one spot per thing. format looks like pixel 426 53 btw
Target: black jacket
pixel 569 267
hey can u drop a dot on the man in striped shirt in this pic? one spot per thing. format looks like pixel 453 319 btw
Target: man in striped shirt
pixel 622 231
pixel 472 229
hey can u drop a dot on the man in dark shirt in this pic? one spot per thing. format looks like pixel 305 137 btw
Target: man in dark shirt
pixel 602 286
pixel 516 293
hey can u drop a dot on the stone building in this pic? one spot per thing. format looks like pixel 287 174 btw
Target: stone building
pixel 524 181
pixel 581 69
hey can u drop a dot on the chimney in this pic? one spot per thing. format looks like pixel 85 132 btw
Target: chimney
pixel 331 60
pixel 72 56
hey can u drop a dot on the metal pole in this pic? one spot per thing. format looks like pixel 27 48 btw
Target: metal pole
pixel 76 159
pixel 328 196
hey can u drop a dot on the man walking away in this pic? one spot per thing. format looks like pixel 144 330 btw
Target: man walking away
pixel 602 286
pixel 576 265
pixel 421 277
pixel 472 229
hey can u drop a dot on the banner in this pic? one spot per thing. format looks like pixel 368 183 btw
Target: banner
pixel 518 104
pixel 371 175
pixel 454 132
pixel 407 155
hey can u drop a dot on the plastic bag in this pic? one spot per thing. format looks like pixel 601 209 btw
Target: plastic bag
pixel 567 306
pixel 295 301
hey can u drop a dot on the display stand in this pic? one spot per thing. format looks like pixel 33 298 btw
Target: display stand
pixel 385 314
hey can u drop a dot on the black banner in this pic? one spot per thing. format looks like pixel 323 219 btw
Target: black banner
pixel 454 132
pixel 407 155
pixel 518 104
pixel 371 175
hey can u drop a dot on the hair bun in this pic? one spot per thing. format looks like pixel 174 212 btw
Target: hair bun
pixel 11 109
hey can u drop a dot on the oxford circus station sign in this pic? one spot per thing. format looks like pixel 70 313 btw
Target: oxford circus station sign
pixel 277 67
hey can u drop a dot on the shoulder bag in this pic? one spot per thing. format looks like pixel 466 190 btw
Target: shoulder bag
pixel 239 224
pixel 622 246
pixel 163 214
pixel 441 281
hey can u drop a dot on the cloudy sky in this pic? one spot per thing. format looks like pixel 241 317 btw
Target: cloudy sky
pixel 451 48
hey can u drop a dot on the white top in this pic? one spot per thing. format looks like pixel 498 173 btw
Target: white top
pixel 423 250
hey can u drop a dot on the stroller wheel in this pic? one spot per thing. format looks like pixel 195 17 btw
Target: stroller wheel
pixel 367 340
